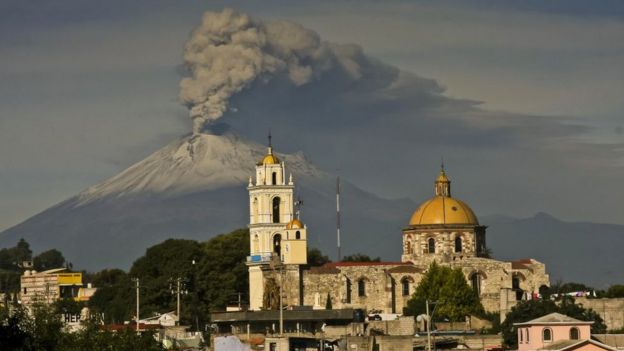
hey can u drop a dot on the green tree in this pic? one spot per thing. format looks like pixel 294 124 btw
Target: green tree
pixel 328 304
pixel 449 289
pixel 615 291
pixel 532 309
pixel 316 258
pixel 48 260
pixel 222 272
pixel 158 271
pixel 358 257
pixel 114 296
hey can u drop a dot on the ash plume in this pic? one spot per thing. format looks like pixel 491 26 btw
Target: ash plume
pixel 229 51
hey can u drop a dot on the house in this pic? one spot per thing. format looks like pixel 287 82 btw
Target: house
pixel 557 332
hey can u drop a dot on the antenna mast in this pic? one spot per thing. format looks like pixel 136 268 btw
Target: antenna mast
pixel 338 216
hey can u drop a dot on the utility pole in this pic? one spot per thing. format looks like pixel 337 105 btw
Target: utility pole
pixel 281 301
pixel 136 280
pixel 178 309
pixel 428 326
pixel 338 217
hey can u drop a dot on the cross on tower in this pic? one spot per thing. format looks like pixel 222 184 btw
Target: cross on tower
pixel 298 205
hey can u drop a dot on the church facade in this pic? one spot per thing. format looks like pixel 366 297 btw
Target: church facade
pixel 443 229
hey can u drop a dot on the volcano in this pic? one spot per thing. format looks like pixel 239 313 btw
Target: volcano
pixel 195 188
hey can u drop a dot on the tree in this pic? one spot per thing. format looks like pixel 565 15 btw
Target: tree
pixel 449 289
pixel 316 258
pixel 48 260
pixel 531 309
pixel 113 297
pixel 615 291
pixel 358 257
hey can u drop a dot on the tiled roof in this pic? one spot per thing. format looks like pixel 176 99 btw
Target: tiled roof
pixel 554 318
pixel 405 269
pixel 565 345
pixel 352 264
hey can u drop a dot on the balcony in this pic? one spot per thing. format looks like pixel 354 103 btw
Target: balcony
pixel 262 257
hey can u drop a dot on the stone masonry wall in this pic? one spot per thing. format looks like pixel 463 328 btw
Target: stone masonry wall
pixel 610 310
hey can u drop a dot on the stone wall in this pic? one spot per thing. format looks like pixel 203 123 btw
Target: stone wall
pixel 401 326
pixel 382 286
pixel 610 310
pixel 384 290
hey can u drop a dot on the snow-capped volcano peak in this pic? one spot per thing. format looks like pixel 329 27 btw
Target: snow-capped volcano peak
pixel 193 163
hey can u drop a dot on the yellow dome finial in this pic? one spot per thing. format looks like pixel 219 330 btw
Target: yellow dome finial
pixel 269 159
pixel 442 183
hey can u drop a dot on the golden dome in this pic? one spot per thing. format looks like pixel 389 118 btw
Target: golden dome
pixel 294 224
pixel 270 159
pixel 443 210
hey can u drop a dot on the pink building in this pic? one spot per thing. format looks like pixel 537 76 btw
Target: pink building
pixel 557 332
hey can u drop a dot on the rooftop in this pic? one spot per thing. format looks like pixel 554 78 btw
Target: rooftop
pixel 555 318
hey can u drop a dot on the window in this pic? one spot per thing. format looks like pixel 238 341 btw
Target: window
pixel 408 248
pixel 547 334
pixel 274 178
pixel 25 291
pixel 521 337
pixel 348 297
pixel 475 281
pixel 277 244
pixel 361 288
pixel 276 210
pixel 297 235
pixel 405 287
pixel 527 334
pixel 458 244
pixel 431 245
pixel 574 333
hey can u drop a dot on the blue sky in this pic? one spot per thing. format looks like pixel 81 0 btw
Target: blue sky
pixel 534 91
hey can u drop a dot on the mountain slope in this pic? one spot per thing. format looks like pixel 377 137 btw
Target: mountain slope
pixel 195 188
pixel 582 252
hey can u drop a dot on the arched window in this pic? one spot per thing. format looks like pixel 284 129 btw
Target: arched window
pixel 297 235
pixel 547 334
pixel 475 281
pixel 574 333
pixel 431 245
pixel 348 295
pixel 274 178
pixel 458 244
pixel 515 286
pixel 276 210
pixel 405 287
pixel 527 334
pixel 277 244
pixel 521 332
pixel 361 288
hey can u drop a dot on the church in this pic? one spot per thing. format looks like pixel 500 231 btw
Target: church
pixel 443 229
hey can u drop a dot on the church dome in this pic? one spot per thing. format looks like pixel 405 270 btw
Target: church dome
pixel 270 159
pixel 442 208
pixel 294 224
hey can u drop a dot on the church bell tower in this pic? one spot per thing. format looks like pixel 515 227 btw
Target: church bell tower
pixel 278 239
